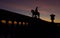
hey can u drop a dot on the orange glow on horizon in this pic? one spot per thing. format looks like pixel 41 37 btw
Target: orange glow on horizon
pixel 48 19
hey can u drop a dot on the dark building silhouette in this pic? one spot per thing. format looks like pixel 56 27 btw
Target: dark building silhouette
pixel 14 24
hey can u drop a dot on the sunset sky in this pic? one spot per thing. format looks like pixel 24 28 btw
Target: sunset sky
pixel 45 7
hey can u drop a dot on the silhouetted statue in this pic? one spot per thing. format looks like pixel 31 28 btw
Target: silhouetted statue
pixel 35 13
pixel 52 18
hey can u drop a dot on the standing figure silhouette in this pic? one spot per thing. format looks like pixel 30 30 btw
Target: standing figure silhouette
pixel 37 13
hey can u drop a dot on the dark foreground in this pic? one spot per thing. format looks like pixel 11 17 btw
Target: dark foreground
pixel 30 31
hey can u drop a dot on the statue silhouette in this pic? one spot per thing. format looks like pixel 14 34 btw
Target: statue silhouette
pixel 52 18
pixel 35 13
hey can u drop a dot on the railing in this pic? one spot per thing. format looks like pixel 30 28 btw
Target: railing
pixel 12 28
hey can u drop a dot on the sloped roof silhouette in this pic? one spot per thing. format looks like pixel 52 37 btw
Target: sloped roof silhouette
pixel 40 25
pixel 5 14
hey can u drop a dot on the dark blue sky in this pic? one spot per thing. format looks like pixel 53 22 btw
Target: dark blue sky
pixel 46 7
